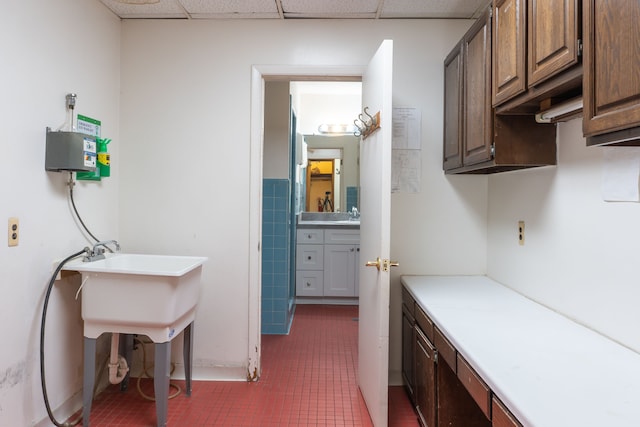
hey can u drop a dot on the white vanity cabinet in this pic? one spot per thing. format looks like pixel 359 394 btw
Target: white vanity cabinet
pixel 327 261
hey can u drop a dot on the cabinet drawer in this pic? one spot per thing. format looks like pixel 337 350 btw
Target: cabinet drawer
pixel 309 257
pixel 309 283
pixel 408 302
pixel 446 350
pixel 310 235
pixel 346 237
pixel 500 415
pixel 477 388
pixel 424 322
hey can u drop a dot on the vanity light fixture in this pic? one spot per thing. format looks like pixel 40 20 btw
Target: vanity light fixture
pixel 336 129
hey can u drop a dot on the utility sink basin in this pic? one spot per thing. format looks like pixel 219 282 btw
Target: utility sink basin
pixel 154 295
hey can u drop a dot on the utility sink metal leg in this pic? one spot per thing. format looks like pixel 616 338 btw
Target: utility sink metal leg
pixel 187 352
pixel 89 372
pixel 161 380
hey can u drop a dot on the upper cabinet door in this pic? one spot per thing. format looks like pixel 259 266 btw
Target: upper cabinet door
pixel 611 66
pixel 509 47
pixel 554 31
pixel 477 111
pixel 452 155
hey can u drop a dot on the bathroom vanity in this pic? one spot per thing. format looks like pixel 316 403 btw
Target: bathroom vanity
pixel 327 260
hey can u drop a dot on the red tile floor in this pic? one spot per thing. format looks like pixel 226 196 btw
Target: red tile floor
pixel 308 379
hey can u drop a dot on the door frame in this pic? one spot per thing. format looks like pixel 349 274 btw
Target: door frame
pixel 260 74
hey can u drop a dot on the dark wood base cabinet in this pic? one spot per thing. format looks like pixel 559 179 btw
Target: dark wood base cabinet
pixel 438 388
pixel 443 387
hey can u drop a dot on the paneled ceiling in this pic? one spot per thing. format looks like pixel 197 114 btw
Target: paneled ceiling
pixel 295 9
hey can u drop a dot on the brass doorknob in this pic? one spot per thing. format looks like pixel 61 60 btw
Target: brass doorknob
pixel 382 264
pixel 375 263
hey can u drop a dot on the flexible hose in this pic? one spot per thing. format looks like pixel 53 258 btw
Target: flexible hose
pixel 73 203
pixel 145 370
pixel 42 330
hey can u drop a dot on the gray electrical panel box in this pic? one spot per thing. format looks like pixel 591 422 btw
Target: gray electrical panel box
pixel 70 151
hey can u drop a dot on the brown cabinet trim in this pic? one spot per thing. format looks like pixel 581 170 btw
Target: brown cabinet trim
pixel 476 387
pixel 501 416
pixel 446 350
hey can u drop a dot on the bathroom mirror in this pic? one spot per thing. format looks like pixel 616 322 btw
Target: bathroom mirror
pixel 333 167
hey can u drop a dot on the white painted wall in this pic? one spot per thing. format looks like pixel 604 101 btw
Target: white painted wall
pixel 49 49
pixel 580 253
pixel 185 109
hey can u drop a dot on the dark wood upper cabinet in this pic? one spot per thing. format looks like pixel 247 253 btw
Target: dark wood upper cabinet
pixel 553 37
pixel 476 139
pixel 536 54
pixel 476 100
pixel 509 45
pixel 611 71
pixel 452 154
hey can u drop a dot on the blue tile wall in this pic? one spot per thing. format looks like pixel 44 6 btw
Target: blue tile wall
pixel 352 198
pixel 276 317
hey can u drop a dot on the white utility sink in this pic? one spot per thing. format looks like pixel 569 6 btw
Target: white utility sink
pixel 154 295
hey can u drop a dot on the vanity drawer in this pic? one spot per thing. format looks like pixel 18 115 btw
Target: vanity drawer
pixel 500 415
pixel 342 237
pixel 445 349
pixel 477 388
pixel 310 236
pixel 309 257
pixel 309 283
pixel 408 301
pixel 424 322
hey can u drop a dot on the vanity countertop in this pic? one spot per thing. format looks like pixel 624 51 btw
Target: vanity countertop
pixel 348 224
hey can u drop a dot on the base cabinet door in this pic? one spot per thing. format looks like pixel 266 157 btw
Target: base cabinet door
pixel 425 382
pixel 340 270
pixel 408 352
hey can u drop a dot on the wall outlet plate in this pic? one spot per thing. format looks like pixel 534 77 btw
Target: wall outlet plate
pixel 13 231
pixel 521 233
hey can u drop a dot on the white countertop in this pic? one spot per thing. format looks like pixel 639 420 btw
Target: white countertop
pixel 547 369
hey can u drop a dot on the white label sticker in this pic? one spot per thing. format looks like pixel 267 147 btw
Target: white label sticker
pixel 89 153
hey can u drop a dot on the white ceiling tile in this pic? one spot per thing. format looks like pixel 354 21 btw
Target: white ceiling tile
pixel 161 9
pixel 329 7
pixel 248 7
pixel 432 8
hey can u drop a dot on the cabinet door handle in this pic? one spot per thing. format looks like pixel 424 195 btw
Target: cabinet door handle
pixel 309 257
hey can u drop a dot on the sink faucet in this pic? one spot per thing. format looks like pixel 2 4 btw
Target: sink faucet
pixel 354 214
pixel 98 252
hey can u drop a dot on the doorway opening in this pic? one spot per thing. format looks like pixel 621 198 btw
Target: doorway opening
pixel 261 76
pixel 310 163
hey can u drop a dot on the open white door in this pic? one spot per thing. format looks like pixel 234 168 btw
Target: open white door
pixel 375 230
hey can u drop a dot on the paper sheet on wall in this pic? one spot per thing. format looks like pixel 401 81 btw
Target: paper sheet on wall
pixel 405 171
pixel 406 128
pixel 620 174
pixel 407 150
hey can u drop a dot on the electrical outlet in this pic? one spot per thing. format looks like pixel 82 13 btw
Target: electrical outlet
pixel 521 233
pixel 13 232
